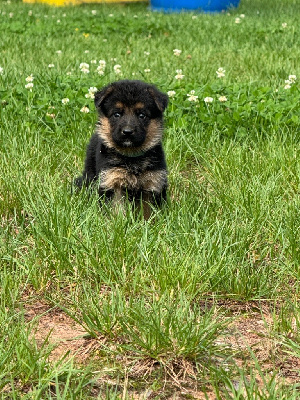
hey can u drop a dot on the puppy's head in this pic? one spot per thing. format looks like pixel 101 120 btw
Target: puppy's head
pixel 130 116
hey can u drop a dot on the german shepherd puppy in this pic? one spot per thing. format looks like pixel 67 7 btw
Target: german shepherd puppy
pixel 125 155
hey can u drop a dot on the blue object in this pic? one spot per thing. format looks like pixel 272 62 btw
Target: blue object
pixel 189 5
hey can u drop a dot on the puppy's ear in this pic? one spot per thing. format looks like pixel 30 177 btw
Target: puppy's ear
pixel 161 99
pixel 102 94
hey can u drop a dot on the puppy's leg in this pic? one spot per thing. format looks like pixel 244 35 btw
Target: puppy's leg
pixel 152 199
pixel 118 201
pixel 146 201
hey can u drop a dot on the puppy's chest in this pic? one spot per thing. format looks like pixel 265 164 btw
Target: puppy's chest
pixel 133 177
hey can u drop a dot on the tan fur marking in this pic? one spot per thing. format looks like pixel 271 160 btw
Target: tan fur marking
pixel 103 130
pixel 119 104
pixel 116 178
pixel 153 181
pixel 138 106
pixel 154 134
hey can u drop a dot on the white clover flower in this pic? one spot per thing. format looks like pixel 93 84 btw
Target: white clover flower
pixel 177 52
pixel 101 68
pixel 91 93
pixel 85 68
pixel 65 100
pixel 237 20
pixel 100 71
pixel 94 12
pixel 69 73
pixel 64 15
pixel 29 86
pixel 191 96
pixel 85 110
pixel 147 53
pixel 110 15
pixel 208 99
pixel 222 99
pixel 179 74
pixel 1 71
pixel 11 15
pixel 289 82
pixel 104 40
pixel 93 62
pixel 51 66
pixel 58 52
pixel 284 25
pixel 58 21
pixel 117 69
pixel 242 15
pixel 220 72
pixel 52 116
pixel 171 93
pixel 30 13
pixel 194 17
pixel 29 78
pixel 147 70
pixel 86 51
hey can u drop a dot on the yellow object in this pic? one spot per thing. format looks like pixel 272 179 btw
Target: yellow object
pixel 74 2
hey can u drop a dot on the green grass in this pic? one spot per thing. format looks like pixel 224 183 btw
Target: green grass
pixel 157 299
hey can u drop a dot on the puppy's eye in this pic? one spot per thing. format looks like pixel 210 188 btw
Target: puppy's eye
pixel 142 115
pixel 117 115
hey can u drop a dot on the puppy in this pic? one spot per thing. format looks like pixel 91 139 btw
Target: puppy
pixel 125 155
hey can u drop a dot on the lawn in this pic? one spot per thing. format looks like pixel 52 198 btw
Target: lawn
pixel 202 300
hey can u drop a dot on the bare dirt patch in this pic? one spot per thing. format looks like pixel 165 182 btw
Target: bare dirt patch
pixel 250 332
pixel 67 336
pixel 253 332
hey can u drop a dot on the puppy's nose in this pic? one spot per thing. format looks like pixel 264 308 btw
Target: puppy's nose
pixel 127 131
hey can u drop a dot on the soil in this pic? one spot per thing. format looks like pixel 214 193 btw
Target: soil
pixel 250 332
pixel 58 329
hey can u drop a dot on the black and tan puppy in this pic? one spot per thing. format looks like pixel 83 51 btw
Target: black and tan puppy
pixel 125 155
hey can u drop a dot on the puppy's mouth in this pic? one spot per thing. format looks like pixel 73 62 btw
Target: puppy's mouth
pixel 127 143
